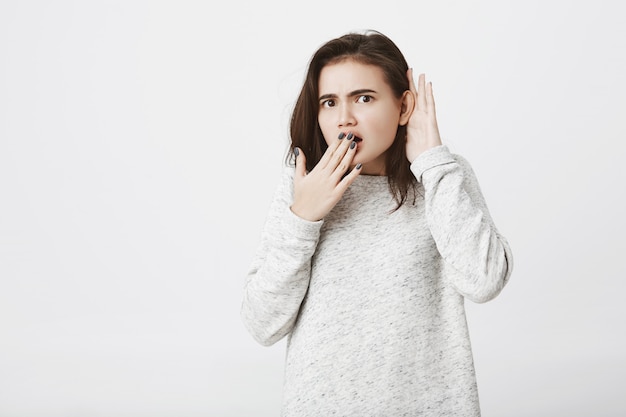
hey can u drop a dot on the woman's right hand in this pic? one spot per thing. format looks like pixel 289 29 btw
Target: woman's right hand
pixel 317 192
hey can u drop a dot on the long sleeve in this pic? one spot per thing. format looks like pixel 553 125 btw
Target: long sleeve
pixel 477 259
pixel 279 275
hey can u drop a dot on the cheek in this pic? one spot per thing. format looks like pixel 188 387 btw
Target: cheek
pixel 325 127
pixel 385 124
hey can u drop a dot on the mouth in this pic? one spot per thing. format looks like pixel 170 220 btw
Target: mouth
pixel 354 138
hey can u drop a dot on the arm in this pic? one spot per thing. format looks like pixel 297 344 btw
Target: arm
pixel 477 258
pixel 278 277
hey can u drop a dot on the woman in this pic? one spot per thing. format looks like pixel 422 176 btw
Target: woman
pixel 372 242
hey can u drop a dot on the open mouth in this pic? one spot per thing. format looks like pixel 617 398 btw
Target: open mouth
pixel 357 139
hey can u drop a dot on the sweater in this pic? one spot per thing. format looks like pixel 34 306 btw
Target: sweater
pixel 372 299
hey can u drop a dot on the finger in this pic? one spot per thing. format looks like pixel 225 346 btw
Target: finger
pixel 300 163
pixel 430 100
pixel 340 152
pixel 330 151
pixel 349 179
pixel 345 162
pixel 421 92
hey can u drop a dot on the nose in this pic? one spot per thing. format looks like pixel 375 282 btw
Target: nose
pixel 346 116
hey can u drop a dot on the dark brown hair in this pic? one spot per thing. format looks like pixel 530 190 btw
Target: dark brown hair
pixel 371 48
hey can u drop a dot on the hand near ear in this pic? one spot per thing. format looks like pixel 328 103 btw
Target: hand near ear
pixel 422 130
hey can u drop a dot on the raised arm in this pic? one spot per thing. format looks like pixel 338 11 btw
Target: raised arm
pixel 478 260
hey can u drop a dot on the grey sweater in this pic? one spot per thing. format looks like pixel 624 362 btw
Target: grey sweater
pixel 372 299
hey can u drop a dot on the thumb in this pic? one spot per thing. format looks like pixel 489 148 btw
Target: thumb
pixel 300 163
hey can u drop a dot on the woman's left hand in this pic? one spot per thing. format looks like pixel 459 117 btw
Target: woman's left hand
pixel 422 130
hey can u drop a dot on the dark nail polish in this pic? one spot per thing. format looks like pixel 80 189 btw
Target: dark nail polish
pixel 342 135
pixel 350 136
pixel 359 166
pixel 352 145
pixel 296 152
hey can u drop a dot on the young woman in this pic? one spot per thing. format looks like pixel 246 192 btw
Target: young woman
pixel 372 242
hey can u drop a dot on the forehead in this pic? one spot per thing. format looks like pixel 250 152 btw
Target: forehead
pixel 349 75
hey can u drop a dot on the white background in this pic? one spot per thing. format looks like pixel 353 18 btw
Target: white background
pixel 140 143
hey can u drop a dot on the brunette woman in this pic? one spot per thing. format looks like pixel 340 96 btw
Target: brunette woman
pixel 373 241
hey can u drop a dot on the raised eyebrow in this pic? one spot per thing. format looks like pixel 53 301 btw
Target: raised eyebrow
pixel 361 92
pixel 351 94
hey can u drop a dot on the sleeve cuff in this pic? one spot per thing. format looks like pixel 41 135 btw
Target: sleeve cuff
pixel 300 227
pixel 439 155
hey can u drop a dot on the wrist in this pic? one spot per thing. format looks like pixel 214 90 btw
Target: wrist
pixel 414 152
pixel 303 214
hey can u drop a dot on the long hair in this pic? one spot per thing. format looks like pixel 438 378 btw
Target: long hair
pixel 371 48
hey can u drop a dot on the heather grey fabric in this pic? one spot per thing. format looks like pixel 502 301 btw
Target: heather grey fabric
pixel 372 299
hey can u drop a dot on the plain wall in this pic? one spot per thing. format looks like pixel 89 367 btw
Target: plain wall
pixel 141 141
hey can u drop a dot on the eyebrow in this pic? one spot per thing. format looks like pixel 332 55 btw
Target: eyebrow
pixel 351 94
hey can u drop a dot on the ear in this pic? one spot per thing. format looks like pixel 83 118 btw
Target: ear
pixel 407 105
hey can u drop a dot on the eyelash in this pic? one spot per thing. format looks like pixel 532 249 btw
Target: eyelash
pixel 326 103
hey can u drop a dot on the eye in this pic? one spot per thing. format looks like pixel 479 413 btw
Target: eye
pixel 364 99
pixel 328 103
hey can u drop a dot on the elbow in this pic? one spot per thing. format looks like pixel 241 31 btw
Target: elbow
pixel 483 292
pixel 483 295
pixel 495 278
pixel 264 338
pixel 265 332
pixel 487 286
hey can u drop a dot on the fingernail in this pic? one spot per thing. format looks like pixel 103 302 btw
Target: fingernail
pixel 359 166
pixel 342 135
pixel 350 135
pixel 296 152
pixel 352 145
